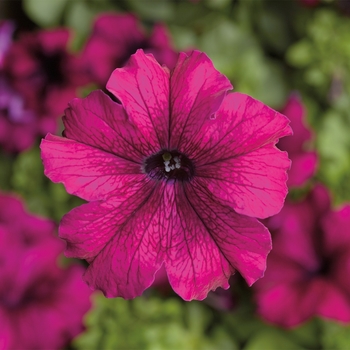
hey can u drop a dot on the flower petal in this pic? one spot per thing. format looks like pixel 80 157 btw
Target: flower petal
pixel 7 335
pixel 333 302
pixel 339 268
pixel 253 184
pixel 236 150
pixel 160 45
pixel 295 111
pixel 241 126
pixel 109 44
pixel 197 90
pixel 296 222
pixel 143 88
pixel 336 228
pixel 87 172
pixel 290 304
pixel 53 40
pixel 99 122
pixel 98 221
pixel 210 242
pixel 53 320
pixel 121 240
pixel 286 304
pixel 303 167
pixel 6 30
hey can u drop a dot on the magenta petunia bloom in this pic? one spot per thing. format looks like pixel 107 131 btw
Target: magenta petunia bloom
pixel 41 304
pixel 41 69
pixel 307 268
pixel 115 37
pixel 304 162
pixel 175 175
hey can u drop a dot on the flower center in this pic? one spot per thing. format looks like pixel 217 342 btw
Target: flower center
pixel 169 166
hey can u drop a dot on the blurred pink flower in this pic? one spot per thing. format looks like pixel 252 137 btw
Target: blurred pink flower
pixel 41 69
pixel 115 37
pixel 41 304
pixel 176 175
pixel 304 162
pixel 6 31
pixel 307 268
pixel 18 125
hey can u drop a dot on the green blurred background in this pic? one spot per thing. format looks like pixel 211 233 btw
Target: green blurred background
pixel 268 49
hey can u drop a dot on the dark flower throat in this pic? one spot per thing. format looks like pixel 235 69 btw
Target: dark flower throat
pixel 169 166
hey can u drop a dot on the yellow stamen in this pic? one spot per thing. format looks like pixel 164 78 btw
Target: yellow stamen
pixel 166 156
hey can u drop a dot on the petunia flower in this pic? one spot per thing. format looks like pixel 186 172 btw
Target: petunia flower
pixel 115 37
pixel 304 162
pixel 6 30
pixel 41 69
pixel 307 268
pixel 18 124
pixel 41 304
pixel 175 175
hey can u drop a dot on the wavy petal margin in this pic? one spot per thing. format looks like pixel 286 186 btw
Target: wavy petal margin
pixel 143 88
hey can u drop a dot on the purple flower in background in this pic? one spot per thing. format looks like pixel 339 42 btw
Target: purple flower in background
pixel 304 162
pixel 18 125
pixel 6 30
pixel 41 69
pixel 115 37
pixel 309 263
pixel 41 304
pixel 175 175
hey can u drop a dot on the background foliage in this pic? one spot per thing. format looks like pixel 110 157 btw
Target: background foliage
pixel 267 49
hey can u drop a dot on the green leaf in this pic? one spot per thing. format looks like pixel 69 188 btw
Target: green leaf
pixel 334 335
pixel 41 195
pixel 79 17
pixel 217 4
pixel 151 323
pixel 45 13
pixel 300 54
pixel 6 164
pixel 306 334
pixel 333 144
pixel 29 181
pixel 244 325
pixel 236 54
pixel 183 38
pixel 323 55
pixel 156 10
pixel 272 339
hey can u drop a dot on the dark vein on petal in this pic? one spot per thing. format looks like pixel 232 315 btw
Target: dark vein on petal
pixel 132 145
pixel 208 230
pixel 149 116
pixel 128 219
pixel 142 237
pixel 189 114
